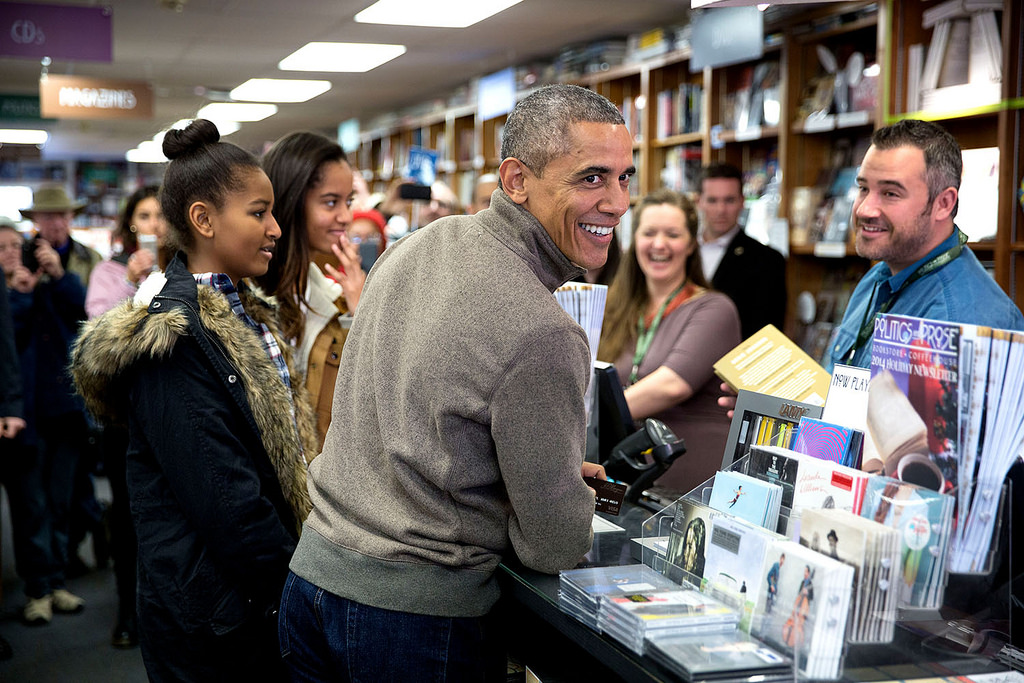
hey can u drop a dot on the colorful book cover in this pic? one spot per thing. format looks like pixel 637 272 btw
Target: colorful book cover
pixel 914 371
pixel 828 441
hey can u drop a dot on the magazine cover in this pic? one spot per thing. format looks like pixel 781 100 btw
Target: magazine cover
pixel 921 359
pixel 687 542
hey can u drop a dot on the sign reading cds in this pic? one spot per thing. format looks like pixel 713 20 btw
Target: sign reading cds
pixel 55 31
pixel 71 97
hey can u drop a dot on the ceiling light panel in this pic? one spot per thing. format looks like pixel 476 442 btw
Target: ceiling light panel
pixel 236 111
pixel 23 136
pixel 438 13
pixel 340 57
pixel 279 90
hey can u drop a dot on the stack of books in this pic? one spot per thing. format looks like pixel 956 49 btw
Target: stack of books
pixel 580 591
pixel 632 619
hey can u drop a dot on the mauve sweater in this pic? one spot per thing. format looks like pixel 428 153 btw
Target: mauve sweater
pixel 458 424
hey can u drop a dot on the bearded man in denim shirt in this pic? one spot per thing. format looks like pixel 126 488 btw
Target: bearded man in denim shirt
pixel 907 199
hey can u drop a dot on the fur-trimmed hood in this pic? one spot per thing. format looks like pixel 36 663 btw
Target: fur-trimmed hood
pixel 109 346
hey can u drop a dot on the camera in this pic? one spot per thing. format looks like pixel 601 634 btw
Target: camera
pixel 28 254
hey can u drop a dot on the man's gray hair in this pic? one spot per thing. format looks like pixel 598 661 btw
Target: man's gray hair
pixel 943 162
pixel 538 129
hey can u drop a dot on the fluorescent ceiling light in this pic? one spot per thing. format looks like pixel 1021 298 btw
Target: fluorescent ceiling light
pixel 337 57
pixel 279 90
pixel 442 13
pixel 148 154
pixel 236 111
pixel 23 136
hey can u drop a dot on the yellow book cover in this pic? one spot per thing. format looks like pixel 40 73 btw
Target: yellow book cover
pixel 770 363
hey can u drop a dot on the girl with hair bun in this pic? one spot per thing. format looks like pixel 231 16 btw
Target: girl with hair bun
pixel 197 369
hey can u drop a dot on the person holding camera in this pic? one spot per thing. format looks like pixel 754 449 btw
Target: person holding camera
pixel 47 304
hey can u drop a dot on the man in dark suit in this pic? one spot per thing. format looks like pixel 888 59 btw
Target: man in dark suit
pixel 751 274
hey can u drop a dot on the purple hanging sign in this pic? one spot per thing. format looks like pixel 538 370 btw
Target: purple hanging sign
pixel 56 31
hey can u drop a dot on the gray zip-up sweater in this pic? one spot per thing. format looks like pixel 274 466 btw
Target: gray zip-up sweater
pixel 457 431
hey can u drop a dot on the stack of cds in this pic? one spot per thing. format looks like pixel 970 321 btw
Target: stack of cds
pixel 580 590
pixel 631 619
pixel 719 656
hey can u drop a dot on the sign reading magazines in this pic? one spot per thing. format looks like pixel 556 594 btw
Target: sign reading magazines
pixel 73 97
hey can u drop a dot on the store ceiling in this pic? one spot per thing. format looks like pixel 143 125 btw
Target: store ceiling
pixel 218 44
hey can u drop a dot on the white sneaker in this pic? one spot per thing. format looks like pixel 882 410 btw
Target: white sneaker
pixel 38 611
pixel 66 602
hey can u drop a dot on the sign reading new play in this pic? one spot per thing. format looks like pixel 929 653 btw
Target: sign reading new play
pixel 73 97
pixel 55 31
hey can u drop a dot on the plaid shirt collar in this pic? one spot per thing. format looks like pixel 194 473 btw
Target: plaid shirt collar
pixel 222 283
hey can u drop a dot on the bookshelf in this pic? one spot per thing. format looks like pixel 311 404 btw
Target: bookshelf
pixel 806 150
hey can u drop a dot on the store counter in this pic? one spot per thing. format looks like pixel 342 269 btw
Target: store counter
pixel 559 648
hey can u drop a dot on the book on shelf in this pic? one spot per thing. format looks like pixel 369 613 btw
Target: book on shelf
pixel 986 49
pixel 955 9
pixel 954 69
pixel 934 58
pixel 769 362
pixel 805 606
pixel 873 550
pixel 585 303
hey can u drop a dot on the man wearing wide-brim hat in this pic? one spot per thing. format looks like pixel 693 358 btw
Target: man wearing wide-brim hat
pixel 48 303
pixel 51 213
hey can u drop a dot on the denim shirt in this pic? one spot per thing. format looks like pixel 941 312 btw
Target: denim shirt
pixel 961 291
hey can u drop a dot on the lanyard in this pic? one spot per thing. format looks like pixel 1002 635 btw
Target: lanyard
pixel 644 337
pixel 867 324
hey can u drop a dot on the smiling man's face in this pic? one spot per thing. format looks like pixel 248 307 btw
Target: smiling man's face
pixel 580 196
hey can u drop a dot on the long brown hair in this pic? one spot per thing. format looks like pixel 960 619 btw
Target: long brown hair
pixel 627 297
pixel 294 164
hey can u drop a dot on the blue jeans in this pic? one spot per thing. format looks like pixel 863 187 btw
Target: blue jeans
pixel 329 638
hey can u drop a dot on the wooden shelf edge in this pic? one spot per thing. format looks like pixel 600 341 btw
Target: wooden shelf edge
pixel 857 25
pixel 676 140
pixel 972 112
pixel 767 132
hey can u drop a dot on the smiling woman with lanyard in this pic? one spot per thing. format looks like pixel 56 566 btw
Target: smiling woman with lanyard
pixel 663 330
